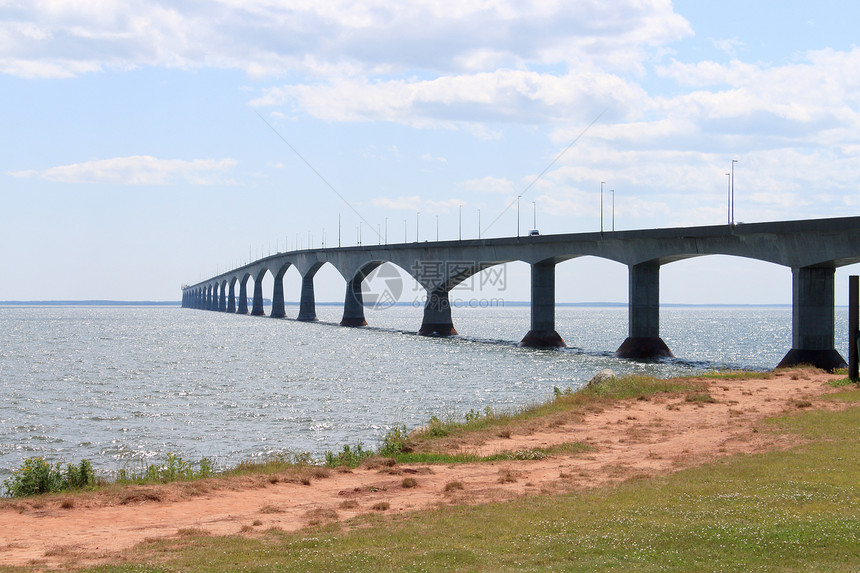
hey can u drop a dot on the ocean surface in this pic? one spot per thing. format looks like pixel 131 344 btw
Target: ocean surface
pixel 123 386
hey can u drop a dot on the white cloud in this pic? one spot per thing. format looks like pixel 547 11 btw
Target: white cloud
pixel 137 170
pixel 667 137
pixel 264 37
pixel 504 95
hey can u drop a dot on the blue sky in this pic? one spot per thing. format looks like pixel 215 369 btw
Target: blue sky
pixel 134 159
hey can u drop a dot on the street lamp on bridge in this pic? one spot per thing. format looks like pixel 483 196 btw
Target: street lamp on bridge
pixel 602 183
pixel 733 190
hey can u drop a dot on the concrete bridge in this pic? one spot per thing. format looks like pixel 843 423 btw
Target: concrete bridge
pixel 813 249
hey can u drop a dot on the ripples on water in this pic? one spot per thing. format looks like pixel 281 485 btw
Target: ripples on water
pixel 122 386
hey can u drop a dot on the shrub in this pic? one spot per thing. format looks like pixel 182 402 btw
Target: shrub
pixel 394 442
pixel 37 476
pixel 349 456
pixel 436 429
pixel 173 469
pixel 81 476
pixel 453 485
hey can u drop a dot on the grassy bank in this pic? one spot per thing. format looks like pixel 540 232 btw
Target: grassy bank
pixel 37 476
pixel 786 511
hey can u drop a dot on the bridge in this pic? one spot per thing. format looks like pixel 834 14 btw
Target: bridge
pixel 813 249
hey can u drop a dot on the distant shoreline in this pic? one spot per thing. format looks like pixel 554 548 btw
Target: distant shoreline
pixel 400 304
pixel 89 303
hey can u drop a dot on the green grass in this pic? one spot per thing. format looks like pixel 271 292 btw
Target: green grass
pixel 633 386
pixel 735 374
pixel 797 510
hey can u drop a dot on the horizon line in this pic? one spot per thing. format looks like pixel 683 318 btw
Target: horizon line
pixel 516 303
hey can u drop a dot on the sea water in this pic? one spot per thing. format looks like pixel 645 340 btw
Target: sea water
pixel 124 386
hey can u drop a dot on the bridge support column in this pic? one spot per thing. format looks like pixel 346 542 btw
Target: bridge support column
pixel 542 333
pixel 213 298
pixel 222 298
pixel 353 304
pixel 643 336
pixel 243 296
pixel 813 319
pixel 257 309
pixel 231 297
pixel 307 302
pixel 437 315
pixel 278 310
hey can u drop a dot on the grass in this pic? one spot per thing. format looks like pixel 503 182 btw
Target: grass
pixel 422 444
pixel 785 511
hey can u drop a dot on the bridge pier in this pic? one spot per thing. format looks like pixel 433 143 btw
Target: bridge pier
pixel 643 314
pixel 257 308
pixel 813 319
pixel 243 296
pixel 231 297
pixel 213 298
pixel 542 333
pixel 278 310
pixel 353 304
pixel 437 315
pixel 307 302
pixel 222 298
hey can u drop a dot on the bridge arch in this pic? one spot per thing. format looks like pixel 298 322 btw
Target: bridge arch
pixel 813 249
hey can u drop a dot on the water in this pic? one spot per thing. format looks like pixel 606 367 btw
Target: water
pixel 124 386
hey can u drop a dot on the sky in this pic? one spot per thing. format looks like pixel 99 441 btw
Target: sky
pixel 151 144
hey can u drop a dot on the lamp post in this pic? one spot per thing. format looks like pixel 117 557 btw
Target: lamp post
pixel 534 215
pixel 460 224
pixel 728 198
pixel 386 230
pixel 416 225
pixel 479 223
pixel 437 228
pixel 518 215
pixel 733 190
pixel 602 183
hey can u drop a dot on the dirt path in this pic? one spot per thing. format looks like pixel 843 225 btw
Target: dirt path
pixel 633 438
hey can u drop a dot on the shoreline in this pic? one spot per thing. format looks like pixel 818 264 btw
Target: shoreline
pixel 626 439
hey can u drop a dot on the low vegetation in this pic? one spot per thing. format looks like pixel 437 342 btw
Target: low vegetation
pixel 797 510
pixel 37 476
